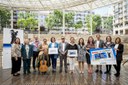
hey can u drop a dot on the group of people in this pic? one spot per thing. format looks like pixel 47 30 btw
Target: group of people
pixel 39 50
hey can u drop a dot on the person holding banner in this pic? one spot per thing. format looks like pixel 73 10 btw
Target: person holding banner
pixel 53 53
pixel 90 45
pixel 99 44
pixel 62 54
pixel 72 49
pixel 108 44
pixel 36 45
pixel 119 48
pixel 81 55
pixel 27 54
pixel 16 57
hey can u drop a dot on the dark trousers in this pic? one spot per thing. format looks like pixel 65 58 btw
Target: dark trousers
pixel 108 68
pixel 35 55
pixel 118 66
pixel 26 65
pixel 16 65
pixel 63 58
pixel 54 61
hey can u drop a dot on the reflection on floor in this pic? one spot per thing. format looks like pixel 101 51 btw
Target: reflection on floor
pixel 65 78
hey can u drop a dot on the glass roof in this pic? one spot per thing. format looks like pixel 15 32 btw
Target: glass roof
pixel 48 5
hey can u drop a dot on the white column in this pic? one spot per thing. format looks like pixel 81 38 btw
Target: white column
pixel 91 23
pixel 118 32
pixel 123 13
pixel 124 32
pixel 114 31
pixel 91 17
pixel 63 22
pixel 39 24
pixel 11 19
pixel 102 23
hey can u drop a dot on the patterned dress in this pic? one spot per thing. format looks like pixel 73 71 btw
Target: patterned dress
pixel 81 53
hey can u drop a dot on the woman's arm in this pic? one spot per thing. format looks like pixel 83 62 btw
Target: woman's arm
pixel 120 48
pixel 40 48
pixel 13 52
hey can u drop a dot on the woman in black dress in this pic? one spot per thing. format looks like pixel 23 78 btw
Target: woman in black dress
pixel 119 48
pixel 90 45
pixel 16 57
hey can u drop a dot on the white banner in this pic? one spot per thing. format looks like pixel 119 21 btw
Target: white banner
pixel 103 56
pixel 8 36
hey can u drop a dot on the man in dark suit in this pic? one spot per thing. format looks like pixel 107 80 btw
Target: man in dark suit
pixel 99 44
pixel 62 54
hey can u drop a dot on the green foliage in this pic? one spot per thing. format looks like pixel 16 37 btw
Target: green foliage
pixel 108 23
pixel 50 21
pixel 96 22
pixel 79 24
pixel 4 17
pixel 69 19
pixel 55 19
pixel 27 20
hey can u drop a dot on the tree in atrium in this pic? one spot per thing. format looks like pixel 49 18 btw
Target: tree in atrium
pixel 108 23
pixel 79 24
pixel 96 22
pixel 4 18
pixel 27 20
pixel 55 19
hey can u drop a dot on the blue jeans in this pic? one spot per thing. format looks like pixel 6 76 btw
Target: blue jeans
pixel 54 61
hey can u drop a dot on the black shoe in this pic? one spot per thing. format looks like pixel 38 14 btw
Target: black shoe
pixel 18 73
pixel 34 70
pixel 53 71
pixel 66 71
pixel 29 72
pixel 15 74
pixel 24 73
pixel 68 64
pixel 117 74
pixel 106 72
pixel 100 72
pixel 60 71
pixel 97 71
pixel 109 73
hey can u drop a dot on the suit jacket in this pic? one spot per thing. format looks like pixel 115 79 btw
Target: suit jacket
pixel 119 53
pixel 24 53
pixel 61 48
pixel 101 44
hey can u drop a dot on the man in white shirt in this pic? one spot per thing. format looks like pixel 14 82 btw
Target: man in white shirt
pixel 62 53
pixel 99 44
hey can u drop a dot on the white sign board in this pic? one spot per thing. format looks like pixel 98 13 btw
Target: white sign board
pixel 72 53
pixel 53 51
